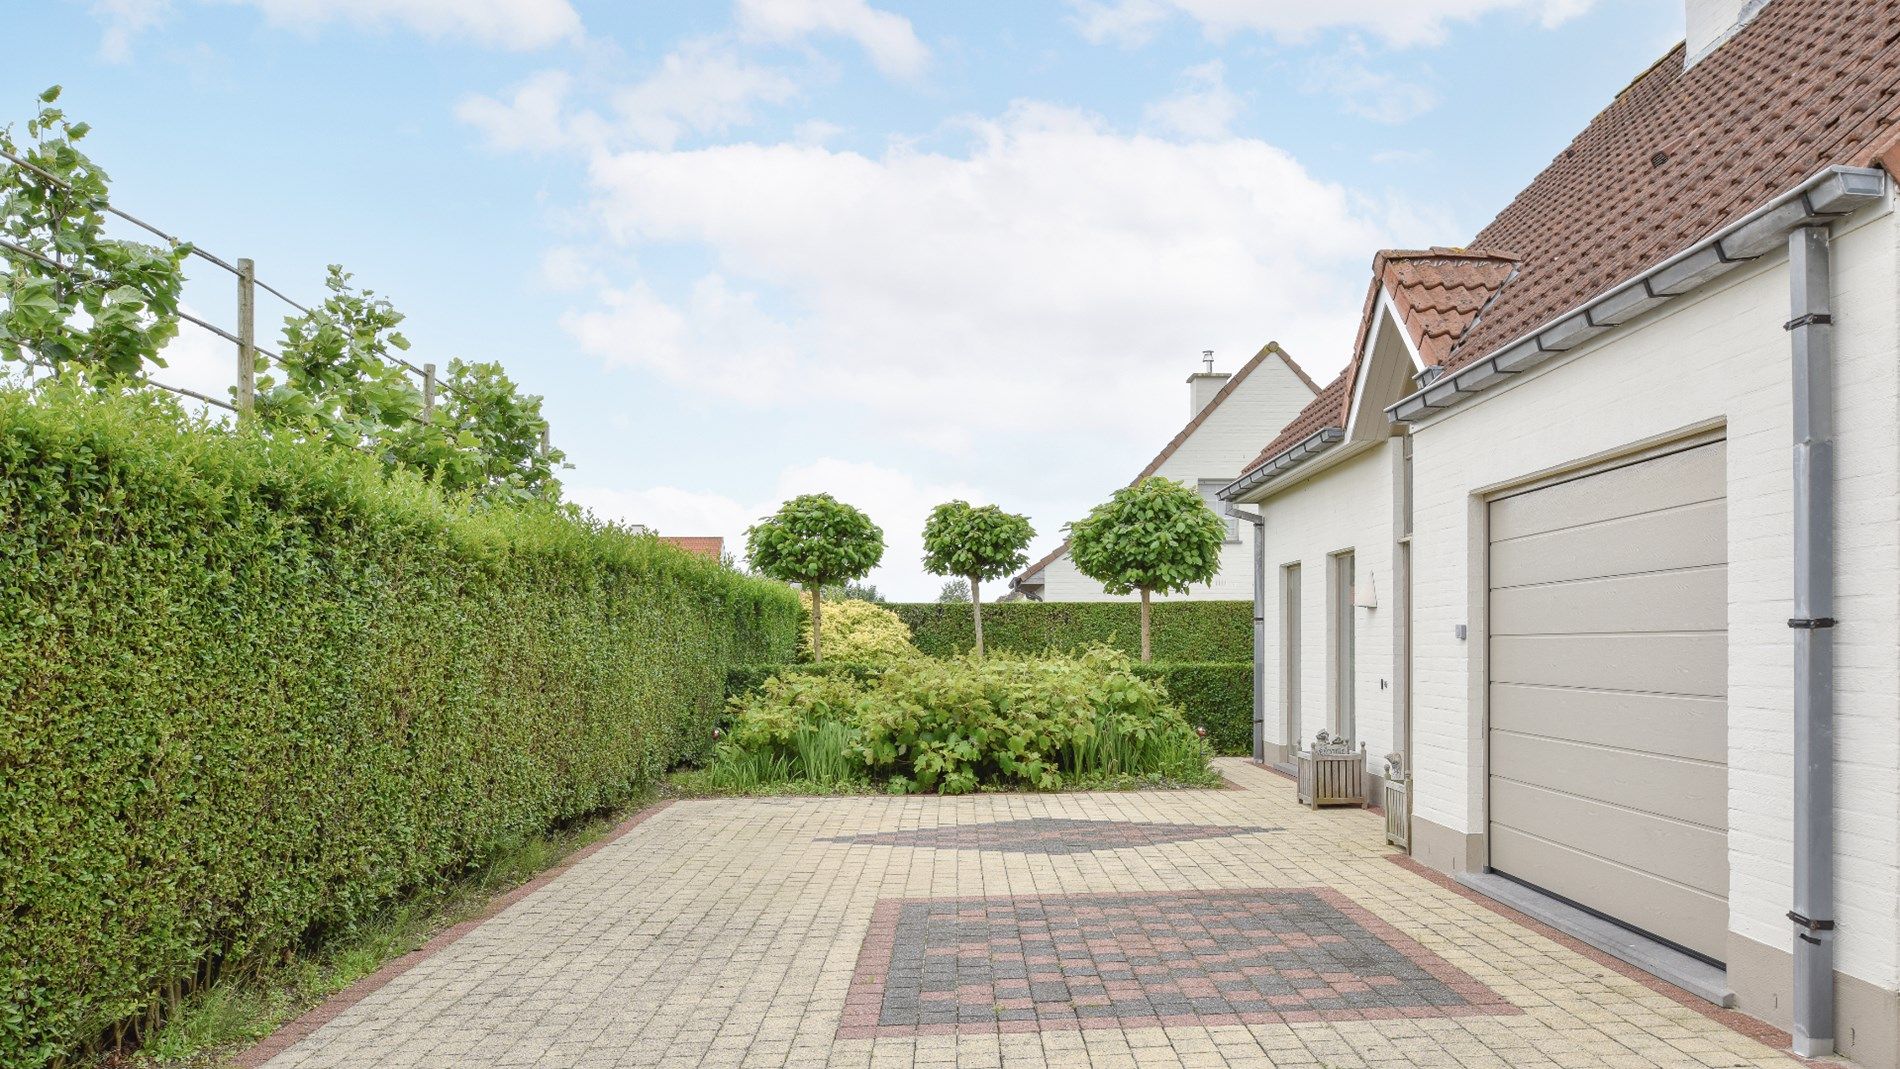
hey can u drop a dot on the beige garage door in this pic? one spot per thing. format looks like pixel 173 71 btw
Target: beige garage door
pixel 1608 719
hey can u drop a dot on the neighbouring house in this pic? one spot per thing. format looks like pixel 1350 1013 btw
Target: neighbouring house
pixel 1599 531
pixel 712 546
pixel 1225 414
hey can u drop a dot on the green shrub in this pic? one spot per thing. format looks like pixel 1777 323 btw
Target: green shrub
pixel 1217 697
pixel 252 690
pixel 953 725
pixel 1183 630
pixel 857 631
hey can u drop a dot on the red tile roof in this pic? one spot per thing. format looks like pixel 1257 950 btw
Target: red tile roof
pixel 1675 157
pixel 1438 293
pixel 1680 154
pixel 706 546
pixel 1272 348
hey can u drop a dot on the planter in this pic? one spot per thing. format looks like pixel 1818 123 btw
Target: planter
pixel 1332 772
pixel 1398 803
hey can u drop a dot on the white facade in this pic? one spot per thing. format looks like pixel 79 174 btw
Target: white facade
pixel 1714 363
pixel 1716 360
pixel 1267 393
pixel 1344 508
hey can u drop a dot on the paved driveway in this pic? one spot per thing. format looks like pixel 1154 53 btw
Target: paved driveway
pixel 1199 928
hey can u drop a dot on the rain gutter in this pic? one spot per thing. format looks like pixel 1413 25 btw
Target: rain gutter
pixel 1830 193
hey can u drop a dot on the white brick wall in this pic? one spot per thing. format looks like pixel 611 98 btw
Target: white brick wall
pixel 1344 507
pixel 1719 355
pixel 1233 434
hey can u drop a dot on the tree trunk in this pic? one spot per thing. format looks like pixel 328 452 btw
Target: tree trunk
pixel 976 608
pixel 817 651
pixel 1144 625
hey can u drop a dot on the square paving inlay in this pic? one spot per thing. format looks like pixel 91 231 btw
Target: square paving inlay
pixel 1047 835
pixel 1258 956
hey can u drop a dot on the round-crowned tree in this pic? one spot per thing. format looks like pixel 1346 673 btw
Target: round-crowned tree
pixel 1155 535
pixel 975 543
pixel 814 541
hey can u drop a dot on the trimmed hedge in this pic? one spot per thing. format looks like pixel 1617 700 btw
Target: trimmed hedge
pixel 251 690
pixel 1182 630
pixel 1216 696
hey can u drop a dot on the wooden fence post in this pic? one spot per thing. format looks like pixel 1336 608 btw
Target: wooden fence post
pixel 247 339
pixel 428 393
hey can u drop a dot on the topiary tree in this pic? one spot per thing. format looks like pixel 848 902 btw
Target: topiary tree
pixel 975 543
pixel 1155 535
pixel 815 540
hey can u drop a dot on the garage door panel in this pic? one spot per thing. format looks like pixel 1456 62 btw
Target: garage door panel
pixel 1608 719
pixel 1692 856
pixel 1693 728
pixel 1695 600
pixel 1675 663
pixel 1695 792
pixel 1686 916
pixel 1693 475
pixel 1692 536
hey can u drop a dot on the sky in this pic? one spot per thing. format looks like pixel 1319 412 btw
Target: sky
pixel 901 253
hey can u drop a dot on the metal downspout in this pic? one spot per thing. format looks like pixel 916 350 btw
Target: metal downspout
pixel 1810 332
pixel 1259 629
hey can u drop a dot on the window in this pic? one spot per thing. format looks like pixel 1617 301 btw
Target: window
pixel 1210 491
pixel 1290 656
pixel 1344 640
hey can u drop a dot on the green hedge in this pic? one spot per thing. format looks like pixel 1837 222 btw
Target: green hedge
pixel 1216 696
pixel 249 691
pixel 1180 630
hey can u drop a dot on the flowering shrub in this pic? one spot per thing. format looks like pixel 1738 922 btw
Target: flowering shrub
pixel 858 632
pixel 955 725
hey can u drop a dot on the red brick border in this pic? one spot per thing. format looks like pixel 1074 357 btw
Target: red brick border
pixel 865 999
pixel 1734 1020
pixel 330 1008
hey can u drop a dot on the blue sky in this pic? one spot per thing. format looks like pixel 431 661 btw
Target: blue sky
pixel 902 252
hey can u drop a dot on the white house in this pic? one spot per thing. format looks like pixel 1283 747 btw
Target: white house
pixel 1225 414
pixel 1600 531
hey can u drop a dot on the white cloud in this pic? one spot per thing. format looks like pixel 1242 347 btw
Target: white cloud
pixel 532 120
pixel 701 87
pixel 888 39
pixel 125 20
pixel 519 25
pixel 199 360
pixel 513 24
pixel 1397 22
pixel 1030 284
pixel 894 500
pixel 1353 83
pixel 1203 108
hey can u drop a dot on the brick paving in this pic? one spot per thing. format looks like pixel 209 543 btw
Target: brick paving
pixel 1192 929
pixel 1048 835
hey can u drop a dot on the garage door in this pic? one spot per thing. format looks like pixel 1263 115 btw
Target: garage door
pixel 1609 720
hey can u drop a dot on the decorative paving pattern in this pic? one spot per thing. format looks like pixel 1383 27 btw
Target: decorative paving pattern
pixel 1252 956
pixel 732 934
pixel 1048 835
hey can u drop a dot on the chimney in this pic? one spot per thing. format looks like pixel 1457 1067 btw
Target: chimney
pixel 1205 383
pixel 1711 22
